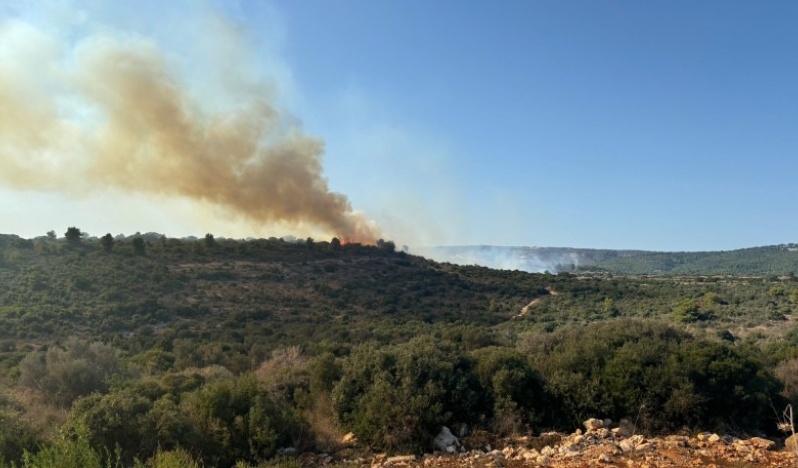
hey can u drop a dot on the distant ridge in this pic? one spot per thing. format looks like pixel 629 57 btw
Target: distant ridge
pixel 767 260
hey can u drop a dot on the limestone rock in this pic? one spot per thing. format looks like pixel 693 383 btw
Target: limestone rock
pixel 761 443
pixel 792 443
pixel 287 452
pixel 446 442
pixel 593 424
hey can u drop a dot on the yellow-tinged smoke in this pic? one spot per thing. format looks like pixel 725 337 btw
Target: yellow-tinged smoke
pixel 111 113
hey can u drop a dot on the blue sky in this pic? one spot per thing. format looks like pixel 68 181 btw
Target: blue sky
pixel 644 125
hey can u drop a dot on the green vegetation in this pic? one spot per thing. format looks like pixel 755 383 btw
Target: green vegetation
pixel 153 352
pixel 768 260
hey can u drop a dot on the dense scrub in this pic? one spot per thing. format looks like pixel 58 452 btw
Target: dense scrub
pixel 218 351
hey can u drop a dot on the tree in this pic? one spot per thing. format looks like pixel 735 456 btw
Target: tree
pixel 139 247
pixel 107 242
pixel 51 235
pixel 335 243
pixel 209 240
pixel 390 246
pixel 73 236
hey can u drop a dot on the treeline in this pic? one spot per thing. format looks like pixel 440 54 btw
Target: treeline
pixel 768 260
pixel 394 398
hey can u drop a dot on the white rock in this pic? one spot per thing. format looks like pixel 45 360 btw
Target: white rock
pixel 592 424
pixel 446 442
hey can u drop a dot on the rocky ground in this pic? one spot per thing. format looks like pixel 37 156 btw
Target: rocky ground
pixel 597 446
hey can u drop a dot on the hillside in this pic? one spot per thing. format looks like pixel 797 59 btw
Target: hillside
pixel 157 345
pixel 768 260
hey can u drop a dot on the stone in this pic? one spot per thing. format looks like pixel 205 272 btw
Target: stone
pixel 792 443
pixel 565 448
pixel 349 438
pixel 627 445
pixel 446 442
pixel 761 443
pixel 593 424
pixel 714 438
pixel 287 452
pixel 543 460
pixel 604 458
pixel 621 432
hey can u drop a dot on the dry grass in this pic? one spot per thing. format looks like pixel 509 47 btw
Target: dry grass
pixel 43 417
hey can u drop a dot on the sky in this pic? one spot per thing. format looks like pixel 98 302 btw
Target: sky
pixel 613 124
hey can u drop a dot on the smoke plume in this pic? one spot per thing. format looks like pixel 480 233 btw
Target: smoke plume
pixel 115 112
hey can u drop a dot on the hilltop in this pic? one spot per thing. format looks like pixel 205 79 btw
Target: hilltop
pixel 768 260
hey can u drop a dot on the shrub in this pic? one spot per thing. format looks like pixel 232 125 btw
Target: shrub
pixel 70 450
pixel 397 398
pixel 656 373
pixel 16 436
pixel 513 389
pixel 118 419
pixel 62 375
pixel 236 420
pixel 178 458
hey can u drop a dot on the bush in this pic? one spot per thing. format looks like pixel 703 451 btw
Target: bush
pixel 237 421
pixel 70 450
pixel 398 398
pixel 513 389
pixel 62 375
pixel 178 458
pixel 119 420
pixel 16 436
pixel 655 373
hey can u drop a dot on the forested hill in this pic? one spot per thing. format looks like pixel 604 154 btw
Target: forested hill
pixel 232 351
pixel 268 291
pixel 768 260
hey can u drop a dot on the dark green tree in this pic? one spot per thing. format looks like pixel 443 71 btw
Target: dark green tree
pixel 209 241
pixel 139 247
pixel 73 236
pixel 390 246
pixel 107 242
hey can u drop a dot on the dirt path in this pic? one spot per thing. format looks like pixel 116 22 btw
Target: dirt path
pixel 537 300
